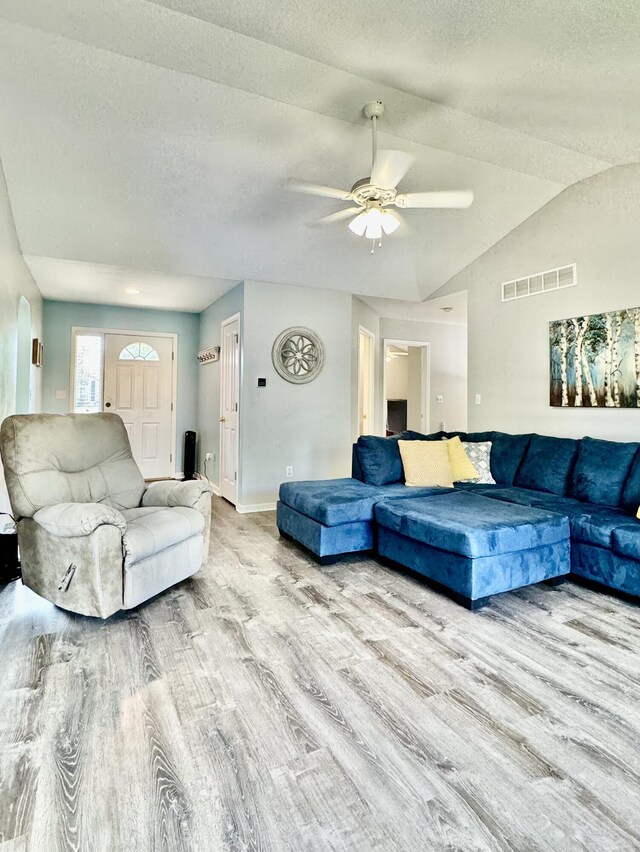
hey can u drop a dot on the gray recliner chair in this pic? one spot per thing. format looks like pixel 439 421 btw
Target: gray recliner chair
pixel 93 538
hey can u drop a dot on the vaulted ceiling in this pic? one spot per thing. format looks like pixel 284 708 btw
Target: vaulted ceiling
pixel 148 144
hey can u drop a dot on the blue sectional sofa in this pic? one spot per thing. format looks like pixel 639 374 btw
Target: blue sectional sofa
pixel 588 487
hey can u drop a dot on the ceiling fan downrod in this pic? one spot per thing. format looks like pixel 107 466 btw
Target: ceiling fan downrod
pixel 373 110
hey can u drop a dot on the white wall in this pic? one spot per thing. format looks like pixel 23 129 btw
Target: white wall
pixel 15 282
pixel 448 357
pixel 209 379
pixel 397 377
pixel 593 223
pixel 306 426
pixel 416 388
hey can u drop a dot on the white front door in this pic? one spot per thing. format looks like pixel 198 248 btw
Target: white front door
pixel 229 399
pixel 138 385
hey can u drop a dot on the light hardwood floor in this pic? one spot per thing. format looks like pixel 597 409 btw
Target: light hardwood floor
pixel 268 704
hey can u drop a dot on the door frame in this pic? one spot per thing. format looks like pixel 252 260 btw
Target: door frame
pixel 372 378
pixel 228 321
pixel 82 329
pixel 426 354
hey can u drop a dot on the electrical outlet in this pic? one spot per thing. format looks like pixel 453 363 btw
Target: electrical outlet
pixel 289 470
pixel 439 398
pixel 209 457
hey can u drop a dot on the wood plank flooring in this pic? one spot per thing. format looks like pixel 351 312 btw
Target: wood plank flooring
pixel 268 704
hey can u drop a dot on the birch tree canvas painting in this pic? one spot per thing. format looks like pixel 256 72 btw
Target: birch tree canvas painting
pixel 595 360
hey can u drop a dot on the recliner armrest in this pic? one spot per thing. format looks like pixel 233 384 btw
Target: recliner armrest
pixel 176 493
pixel 68 520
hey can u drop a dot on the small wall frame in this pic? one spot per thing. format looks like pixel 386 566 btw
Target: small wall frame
pixel 37 352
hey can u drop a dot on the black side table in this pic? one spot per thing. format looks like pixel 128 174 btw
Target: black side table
pixel 9 563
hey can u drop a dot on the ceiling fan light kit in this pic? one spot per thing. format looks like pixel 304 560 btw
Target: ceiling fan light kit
pixel 373 194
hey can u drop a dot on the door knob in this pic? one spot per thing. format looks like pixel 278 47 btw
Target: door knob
pixel 221 419
pixel 107 405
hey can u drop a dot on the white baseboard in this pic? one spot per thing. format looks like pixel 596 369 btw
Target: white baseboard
pixel 255 507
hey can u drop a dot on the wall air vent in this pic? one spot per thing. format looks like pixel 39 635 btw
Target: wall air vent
pixel 541 282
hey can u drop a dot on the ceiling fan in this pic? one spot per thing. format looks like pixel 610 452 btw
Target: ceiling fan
pixel 372 196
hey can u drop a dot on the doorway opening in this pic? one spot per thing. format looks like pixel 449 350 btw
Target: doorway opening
pixel 366 387
pixel 23 364
pixel 406 386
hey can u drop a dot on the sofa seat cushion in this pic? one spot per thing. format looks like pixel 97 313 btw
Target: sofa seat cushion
pixel 479 487
pixel 626 540
pixel 332 502
pixel 601 470
pixel 548 464
pixel 151 530
pixel 589 524
pixel 536 499
pixel 472 525
pixel 595 525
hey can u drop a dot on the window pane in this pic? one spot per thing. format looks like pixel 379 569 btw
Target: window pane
pixel 87 393
pixel 138 352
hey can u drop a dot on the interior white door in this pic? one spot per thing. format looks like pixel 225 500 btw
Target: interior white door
pixel 138 385
pixel 366 362
pixel 229 415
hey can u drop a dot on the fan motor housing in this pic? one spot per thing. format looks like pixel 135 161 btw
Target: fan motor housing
pixel 364 192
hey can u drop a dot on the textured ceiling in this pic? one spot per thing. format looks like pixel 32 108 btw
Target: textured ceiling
pixel 151 142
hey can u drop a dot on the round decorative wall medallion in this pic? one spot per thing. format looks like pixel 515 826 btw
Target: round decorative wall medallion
pixel 298 355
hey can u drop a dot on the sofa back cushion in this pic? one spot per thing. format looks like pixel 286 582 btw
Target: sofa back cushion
pixel 68 458
pixel 631 491
pixel 410 435
pixel 478 437
pixel 601 470
pixel 548 464
pixel 507 453
pixel 379 459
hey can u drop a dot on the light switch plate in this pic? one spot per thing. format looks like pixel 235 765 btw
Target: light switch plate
pixel 439 398
pixel 478 399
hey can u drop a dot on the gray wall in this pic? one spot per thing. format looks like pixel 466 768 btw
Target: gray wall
pixel 15 282
pixel 209 378
pixel 306 426
pixel 448 372
pixel 59 319
pixel 593 223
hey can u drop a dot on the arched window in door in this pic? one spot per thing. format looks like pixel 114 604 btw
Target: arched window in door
pixel 138 351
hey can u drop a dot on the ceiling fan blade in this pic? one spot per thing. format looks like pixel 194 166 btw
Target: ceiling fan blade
pixel 459 198
pixel 338 216
pixel 390 167
pixel 319 189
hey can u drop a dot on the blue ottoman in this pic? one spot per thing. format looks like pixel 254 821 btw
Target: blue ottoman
pixel 332 517
pixel 473 546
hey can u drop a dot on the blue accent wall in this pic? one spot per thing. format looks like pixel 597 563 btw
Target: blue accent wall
pixel 61 317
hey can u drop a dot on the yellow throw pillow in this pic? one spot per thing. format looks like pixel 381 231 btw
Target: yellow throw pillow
pixel 461 466
pixel 426 463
